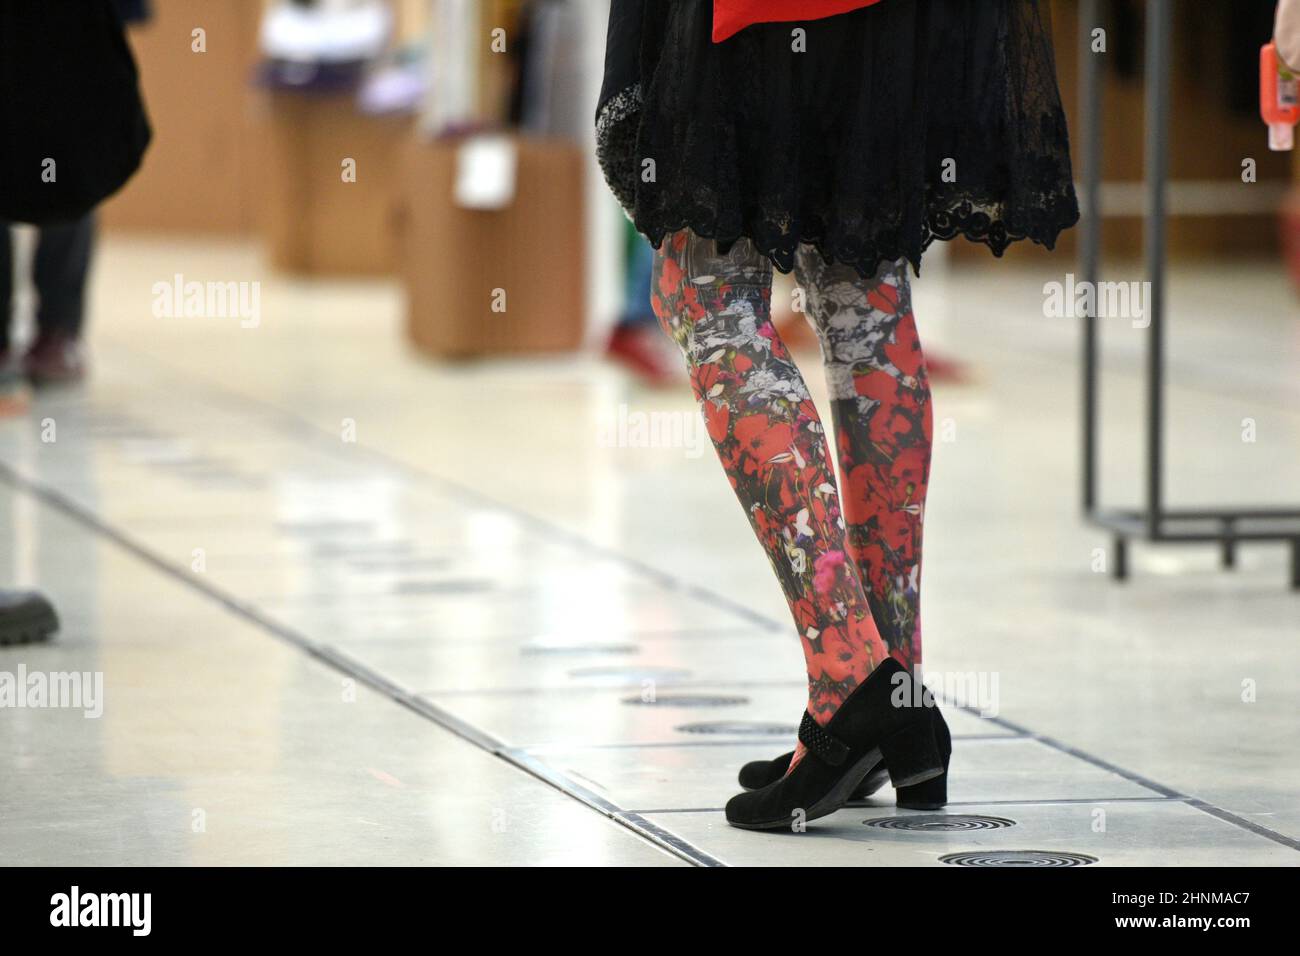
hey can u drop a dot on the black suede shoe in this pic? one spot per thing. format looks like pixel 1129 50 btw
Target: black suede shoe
pixel 930 795
pixel 871 726
pixel 759 773
pixel 25 617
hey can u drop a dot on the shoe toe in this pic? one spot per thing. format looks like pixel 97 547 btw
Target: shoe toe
pixel 756 774
pixel 741 807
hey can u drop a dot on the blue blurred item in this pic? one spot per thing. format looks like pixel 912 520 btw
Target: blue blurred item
pixel 397 86
pixel 134 11
pixel 636 342
pixel 311 77
pixel 312 46
pixel 640 271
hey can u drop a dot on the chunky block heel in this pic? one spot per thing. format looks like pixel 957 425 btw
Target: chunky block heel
pixel 867 728
pixel 931 794
pixel 912 753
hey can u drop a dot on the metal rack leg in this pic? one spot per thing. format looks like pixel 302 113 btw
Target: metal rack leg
pixel 1090 104
pixel 1159 24
pixel 1155 520
pixel 1228 555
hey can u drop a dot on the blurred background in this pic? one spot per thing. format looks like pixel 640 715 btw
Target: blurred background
pixel 367 391
pixel 251 131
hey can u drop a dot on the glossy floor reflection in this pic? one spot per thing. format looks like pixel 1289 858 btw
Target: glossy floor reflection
pixel 350 606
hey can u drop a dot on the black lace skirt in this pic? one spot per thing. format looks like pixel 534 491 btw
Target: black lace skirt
pixel 868 135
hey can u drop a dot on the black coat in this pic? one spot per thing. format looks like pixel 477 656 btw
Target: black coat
pixel 73 128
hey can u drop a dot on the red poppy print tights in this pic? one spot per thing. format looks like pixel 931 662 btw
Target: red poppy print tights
pixel 772 445
pixel 880 404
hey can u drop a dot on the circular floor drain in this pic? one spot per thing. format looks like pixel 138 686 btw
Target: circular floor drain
pixel 740 728
pixel 1041 858
pixel 940 823
pixel 689 700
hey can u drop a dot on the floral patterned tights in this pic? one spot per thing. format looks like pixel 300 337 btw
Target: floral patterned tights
pixel 880 404
pixel 850 571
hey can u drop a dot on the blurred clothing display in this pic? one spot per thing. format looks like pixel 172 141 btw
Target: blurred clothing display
pixel 312 77
pixel 322 45
pixel 453 63
pixel 326 31
pixel 398 86
pixel 550 93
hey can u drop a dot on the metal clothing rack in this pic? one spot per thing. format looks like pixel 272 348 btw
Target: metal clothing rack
pixel 1155 521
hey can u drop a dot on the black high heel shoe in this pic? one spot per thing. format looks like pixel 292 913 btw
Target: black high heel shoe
pixel 867 728
pixel 932 794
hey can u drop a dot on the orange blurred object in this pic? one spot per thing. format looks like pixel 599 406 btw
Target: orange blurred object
pixel 1279 101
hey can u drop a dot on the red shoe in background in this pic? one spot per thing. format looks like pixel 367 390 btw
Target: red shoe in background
pixel 645 350
pixel 54 359
pixel 940 368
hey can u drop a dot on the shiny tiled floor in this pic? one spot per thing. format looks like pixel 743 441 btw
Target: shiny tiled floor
pixel 475 634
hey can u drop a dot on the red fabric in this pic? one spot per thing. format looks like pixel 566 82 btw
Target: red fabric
pixel 732 16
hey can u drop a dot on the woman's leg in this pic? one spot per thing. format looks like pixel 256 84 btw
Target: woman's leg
pixel 773 448
pixel 880 405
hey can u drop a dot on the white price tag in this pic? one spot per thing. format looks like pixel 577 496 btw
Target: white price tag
pixel 486 168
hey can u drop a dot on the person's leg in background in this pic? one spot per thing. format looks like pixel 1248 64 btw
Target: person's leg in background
pixel 15 395
pixel 636 341
pixel 772 445
pixel 880 404
pixel 6 292
pixel 25 616
pixel 62 262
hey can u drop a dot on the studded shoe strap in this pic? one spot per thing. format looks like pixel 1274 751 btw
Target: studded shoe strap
pixel 819 742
